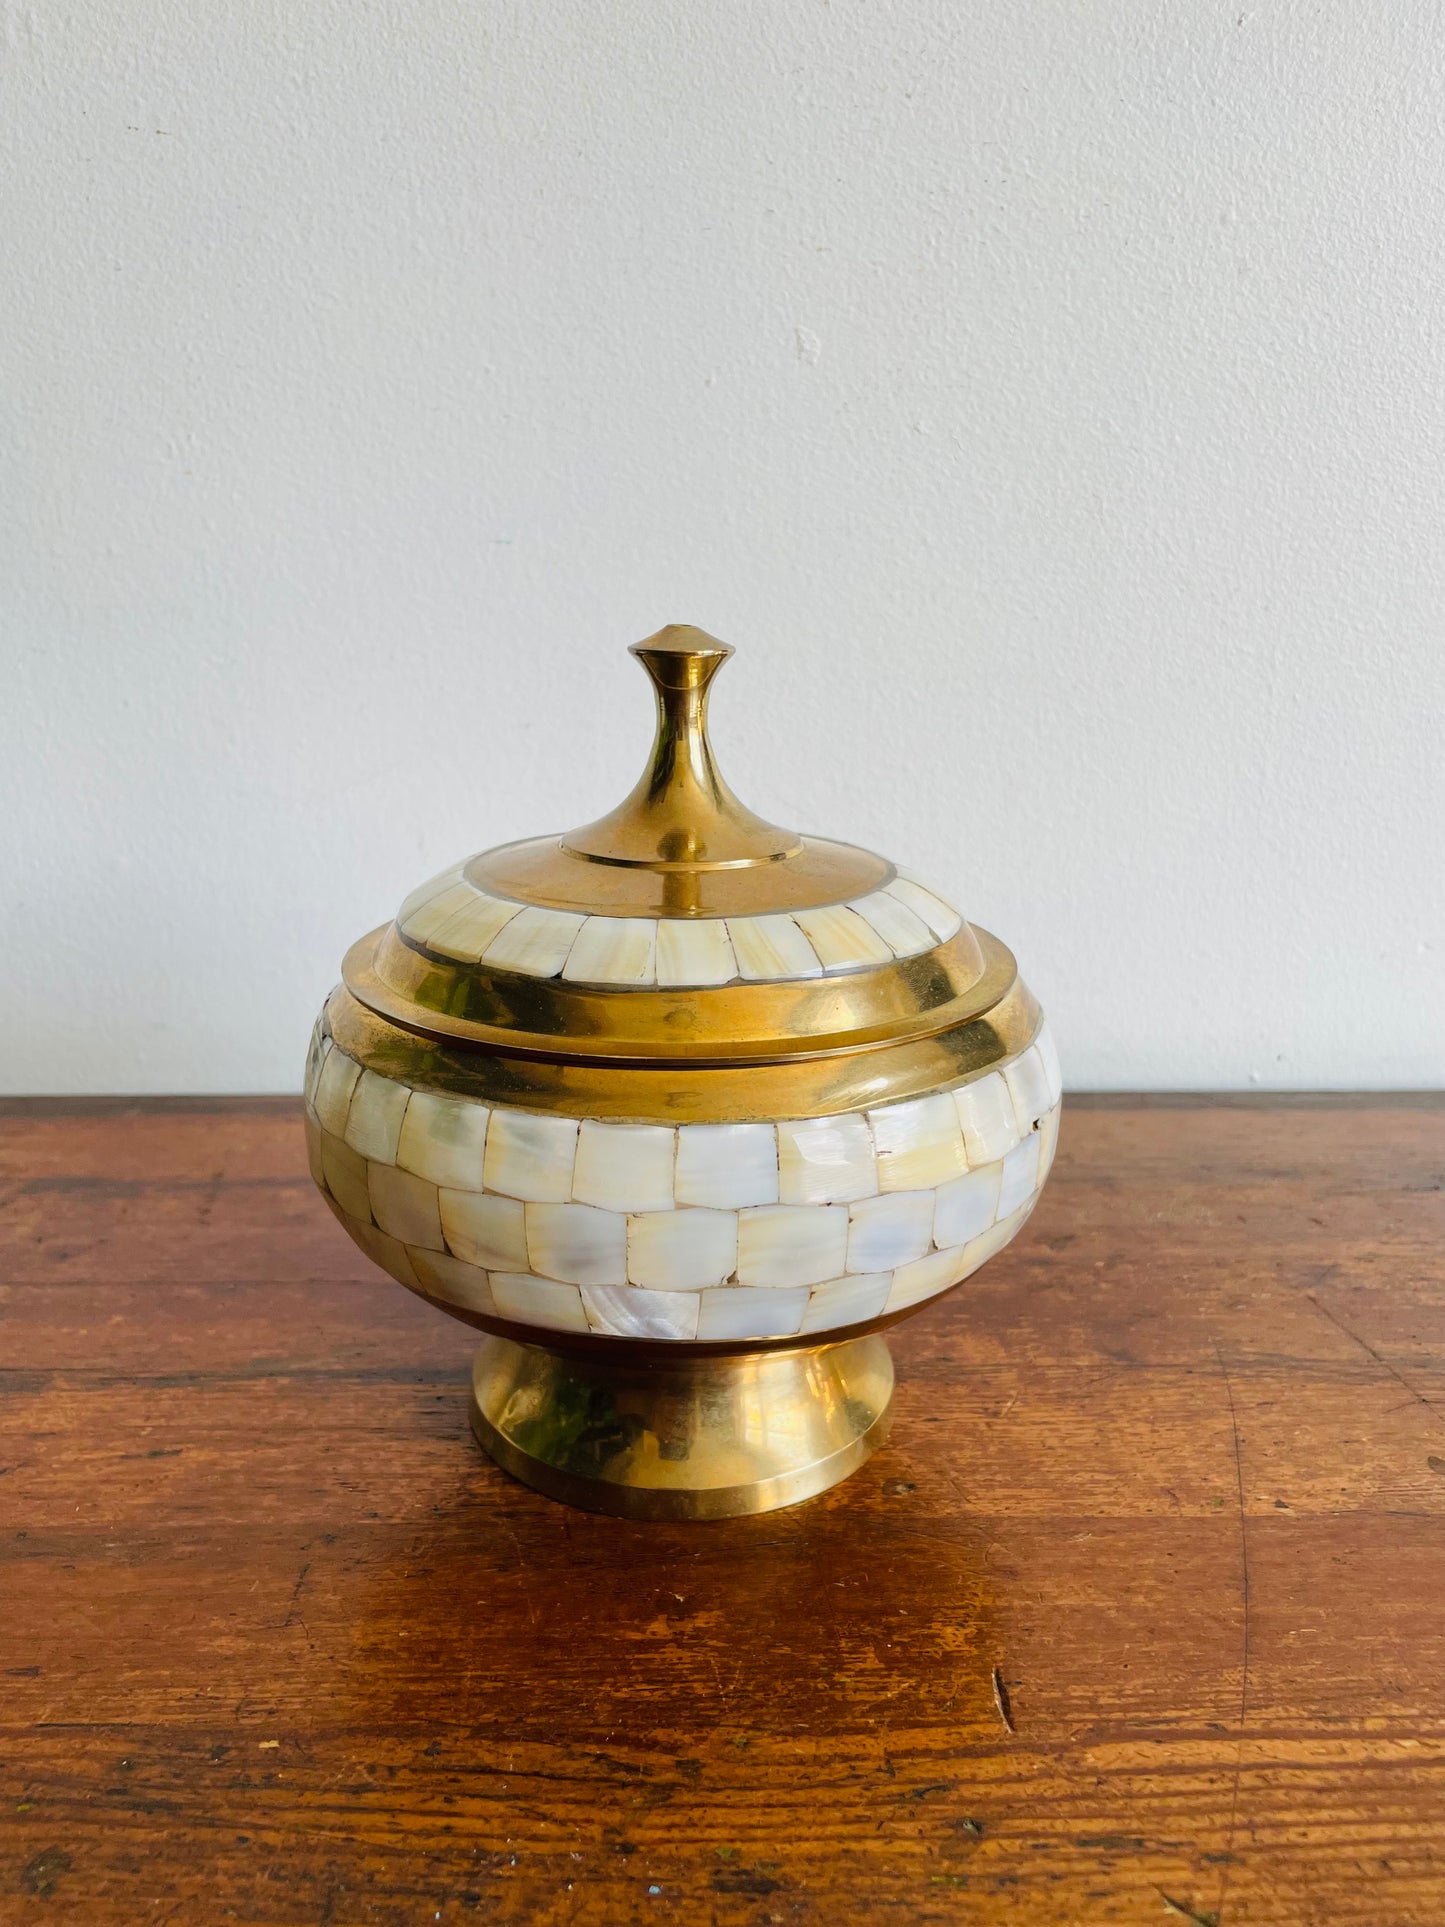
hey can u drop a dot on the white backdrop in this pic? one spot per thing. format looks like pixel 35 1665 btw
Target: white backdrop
pixel 1047 400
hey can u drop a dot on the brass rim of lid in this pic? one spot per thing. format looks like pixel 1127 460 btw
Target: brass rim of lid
pixel 679 845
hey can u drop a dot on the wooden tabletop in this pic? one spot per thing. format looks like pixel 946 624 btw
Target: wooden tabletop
pixel 1140 1617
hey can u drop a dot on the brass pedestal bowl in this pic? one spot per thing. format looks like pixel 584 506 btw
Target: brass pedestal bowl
pixel 680 1110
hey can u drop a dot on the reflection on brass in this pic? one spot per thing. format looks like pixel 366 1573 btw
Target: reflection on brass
pixel 687 1437
pixel 737 1022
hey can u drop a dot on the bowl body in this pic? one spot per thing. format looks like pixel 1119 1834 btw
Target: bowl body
pixel 711 1232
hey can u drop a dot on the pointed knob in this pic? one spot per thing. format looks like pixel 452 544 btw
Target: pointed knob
pixel 681 815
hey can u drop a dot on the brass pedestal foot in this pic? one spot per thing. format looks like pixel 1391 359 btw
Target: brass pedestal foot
pixel 682 1437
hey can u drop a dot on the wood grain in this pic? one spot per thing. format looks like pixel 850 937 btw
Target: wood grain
pixel 277 1645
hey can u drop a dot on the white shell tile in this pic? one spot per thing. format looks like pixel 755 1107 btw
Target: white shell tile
pixel 926 1277
pixel 625 1167
pixel 577 1243
pixel 1028 1085
pixel 730 1311
pixel 890 1230
pixel 1048 1141
pixel 843 939
pixel 466 935
pixel 345 1174
pixel 313 1148
pixel 382 1250
pixel 488 1232
pixel 535 943
pixel 613 950
pixel 338 1079
pixel 826 1160
pixel 682 1250
pixel 422 925
pixel 373 1123
pixel 447 1277
pixel 530 1156
pixel 942 919
pixel 727 1165
pixel 846 1301
pixel 920 1143
pixel 315 1057
pixel 1020 1175
pixel 538 1301
pixel 405 1206
pixel 902 929
pixel 781 1245
pixel 1049 1057
pixel 694 950
pixel 979 1250
pixel 986 1112
pixel 443 1138
pixel 433 887
pixel 624 1312
pixel 768 948
pixel 967 1207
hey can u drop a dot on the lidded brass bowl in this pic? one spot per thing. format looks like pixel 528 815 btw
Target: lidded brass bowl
pixel 680 1109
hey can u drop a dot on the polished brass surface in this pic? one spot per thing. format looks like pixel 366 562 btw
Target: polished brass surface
pixel 542 871
pixel 679 1091
pixel 689 1437
pixel 681 815
pixel 681 844
pixel 737 1022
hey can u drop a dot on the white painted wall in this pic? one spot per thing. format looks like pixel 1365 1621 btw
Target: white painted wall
pixel 1048 400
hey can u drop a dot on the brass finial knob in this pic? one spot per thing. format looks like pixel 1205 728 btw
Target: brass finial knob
pixel 681 815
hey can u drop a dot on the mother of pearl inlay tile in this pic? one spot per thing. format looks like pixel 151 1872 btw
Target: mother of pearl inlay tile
pixel 613 950
pixel 447 1277
pixel 467 934
pixel 769 948
pixel 539 1301
pixel 890 1230
pixel 902 929
pixel 920 1143
pixel 486 1231
pixel 535 942
pixel 530 1156
pixel 967 1206
pixel 727 1165
pixel 346 1177
pixel 1029 1088
pixel 683 1249
pixel 842 939
pixel 1020 1175
pixel 626 1167
pixel 986 1113
pixel 846 1301
pixel 625 1312
pixel 942 919
pixel 373 1123
pixel 826 1160
pixel 577 1243
pixel 784 1244
pixel 338 1079
pixel 424 892
pixel 694 950
pixel 433 915
pixel 731 1311
pixel 443 1138
pixel 405 1206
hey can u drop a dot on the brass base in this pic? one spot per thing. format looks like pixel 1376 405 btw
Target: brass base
pixel 685 1437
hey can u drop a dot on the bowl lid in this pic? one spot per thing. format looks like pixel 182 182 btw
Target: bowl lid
pixel 678 926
